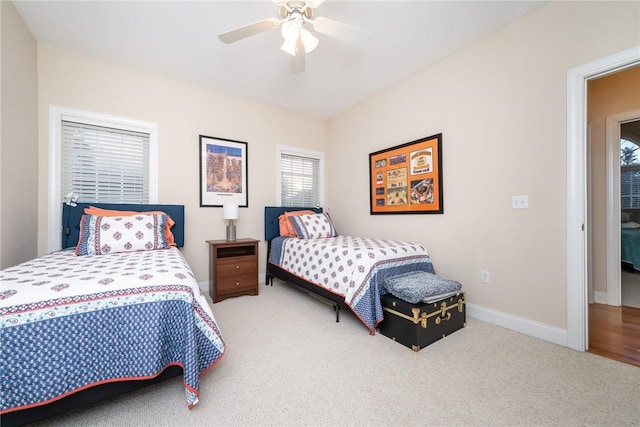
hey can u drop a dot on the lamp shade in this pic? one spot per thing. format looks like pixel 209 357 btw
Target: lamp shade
pixel 230 211
pixel 290 48
pixel 290 31
pixel 309 41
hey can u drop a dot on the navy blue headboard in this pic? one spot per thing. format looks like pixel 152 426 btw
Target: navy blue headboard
pixel 71 216
pixel 271 214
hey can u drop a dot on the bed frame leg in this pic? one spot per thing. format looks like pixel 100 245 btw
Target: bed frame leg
pixel 336 308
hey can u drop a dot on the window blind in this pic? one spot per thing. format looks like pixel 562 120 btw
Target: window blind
pixel 299 180
pixel 104 164
pixel 630 187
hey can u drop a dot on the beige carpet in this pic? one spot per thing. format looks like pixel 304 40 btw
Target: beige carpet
pixel 289 363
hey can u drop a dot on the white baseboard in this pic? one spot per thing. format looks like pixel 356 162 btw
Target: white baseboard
pixel 600 297
pixel 519 324
pixel 204 287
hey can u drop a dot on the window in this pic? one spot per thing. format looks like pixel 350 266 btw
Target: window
pixel 630 187
pixel 101 159
pixel 103 164
pixel 629 175
pixel 301 177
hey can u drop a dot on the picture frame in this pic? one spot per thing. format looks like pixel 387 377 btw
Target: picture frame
pixel 407 178
pixel 223 172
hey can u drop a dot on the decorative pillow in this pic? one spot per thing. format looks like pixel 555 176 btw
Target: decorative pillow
pixel 630 224
pixel 314 226
pixel 92 210
pixel 101 235
pixel 282 224
pixel 625 216
pixel 286 227
pixel 417 285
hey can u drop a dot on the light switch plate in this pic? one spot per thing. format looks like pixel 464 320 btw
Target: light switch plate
pixel 519 202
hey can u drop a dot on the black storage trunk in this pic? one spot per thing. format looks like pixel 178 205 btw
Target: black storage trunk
pixel 418 325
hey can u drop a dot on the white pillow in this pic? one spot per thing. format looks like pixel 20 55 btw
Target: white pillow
pixel 630 224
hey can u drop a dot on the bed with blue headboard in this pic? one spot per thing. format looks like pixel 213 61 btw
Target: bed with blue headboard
pixel 344 270
pixel 271 232
pixel 105 311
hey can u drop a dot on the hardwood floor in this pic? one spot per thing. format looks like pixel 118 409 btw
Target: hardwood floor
pixel 614 332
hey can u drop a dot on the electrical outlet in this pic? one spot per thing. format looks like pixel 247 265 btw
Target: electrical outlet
pixel 484 276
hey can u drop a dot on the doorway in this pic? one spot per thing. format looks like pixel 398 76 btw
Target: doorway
pixel 610 206
pixel 609 99
pixel 577 309
pixel 623 210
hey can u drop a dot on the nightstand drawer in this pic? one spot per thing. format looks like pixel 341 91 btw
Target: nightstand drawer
pixel 233 268
pixel 237 266
pixel 236 283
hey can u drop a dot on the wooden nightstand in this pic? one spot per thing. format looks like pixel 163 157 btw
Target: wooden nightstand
pixel 233 268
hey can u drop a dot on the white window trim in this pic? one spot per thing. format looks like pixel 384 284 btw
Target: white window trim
pixel 295 151
pixel 56 115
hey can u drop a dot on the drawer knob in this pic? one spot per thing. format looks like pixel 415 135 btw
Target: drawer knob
pixel 237 283
pixel 237 267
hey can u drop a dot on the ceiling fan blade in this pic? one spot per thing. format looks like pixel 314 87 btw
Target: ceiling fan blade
pixel 314 3
pixel 298 60
pixel 249 30
pixel 301 3
pixel 341 31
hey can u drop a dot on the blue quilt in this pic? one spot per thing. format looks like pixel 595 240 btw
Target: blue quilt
pixel 68 323
pixel 630 247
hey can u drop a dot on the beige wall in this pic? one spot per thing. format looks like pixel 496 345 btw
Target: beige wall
pixel 500 104
pixel 607 96
pixel 18 140
pixel 182 112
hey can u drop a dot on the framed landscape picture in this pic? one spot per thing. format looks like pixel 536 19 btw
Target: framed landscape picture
pixel 223 172
pixel 407 178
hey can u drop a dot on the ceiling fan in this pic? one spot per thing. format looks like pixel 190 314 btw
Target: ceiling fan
pixel 293 17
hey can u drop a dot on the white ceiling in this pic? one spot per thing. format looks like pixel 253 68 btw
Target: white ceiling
pixel 178 39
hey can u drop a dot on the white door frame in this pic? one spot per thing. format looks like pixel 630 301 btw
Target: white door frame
pixel 577 188
pixel 614 293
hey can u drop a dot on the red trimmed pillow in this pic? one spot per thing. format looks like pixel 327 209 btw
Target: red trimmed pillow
pixel 286 227
pixel 314 226
pixel 100 235
pixel 92 210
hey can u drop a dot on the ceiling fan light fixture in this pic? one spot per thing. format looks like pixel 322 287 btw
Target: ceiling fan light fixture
pixel 309 41
pixel 295 17
pixel 289 47
pixel 290 31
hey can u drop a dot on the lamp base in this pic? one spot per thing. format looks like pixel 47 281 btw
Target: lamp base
pixel 231 233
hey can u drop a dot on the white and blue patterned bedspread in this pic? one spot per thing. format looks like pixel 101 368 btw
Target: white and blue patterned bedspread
pixel 353 267
pixel 69 322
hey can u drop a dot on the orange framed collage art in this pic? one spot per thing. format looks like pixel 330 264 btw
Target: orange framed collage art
pixel 407 178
